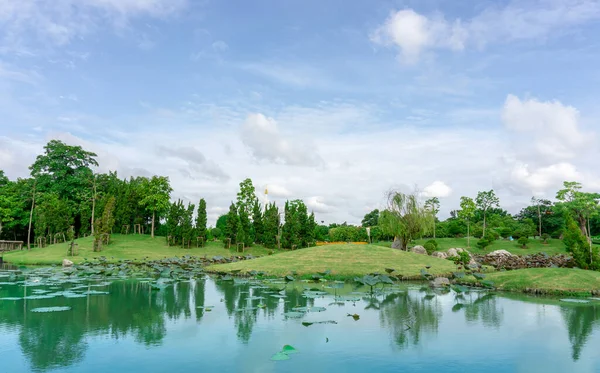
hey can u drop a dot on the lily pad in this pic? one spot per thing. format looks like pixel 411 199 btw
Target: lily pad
pixel 355 316
pixel 280 356
pixel 307 324
pixel 11 298
pixel 51 309
pixel 581 301
pixel 294 315
pixel 318 309
pixel 457 307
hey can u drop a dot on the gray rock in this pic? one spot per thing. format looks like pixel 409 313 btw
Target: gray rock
pixel 397 245
pixel 439 254
pixel 500 253
pixel 418 250
pixel 439 282
pixel 452 253
pixel 67 263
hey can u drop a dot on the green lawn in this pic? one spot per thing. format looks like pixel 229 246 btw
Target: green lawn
pixel 535 246
pixel 121 247
pixel 345 260
pixel 550 280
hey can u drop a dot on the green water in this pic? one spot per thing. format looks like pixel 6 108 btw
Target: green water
pixel 401 329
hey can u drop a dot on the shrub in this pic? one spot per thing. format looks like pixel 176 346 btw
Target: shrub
pixel 545 237
pixel 463 258
pixel 523 241
pixel 430 247
pixel 517 234
pixel 483 243
pixel 557 234
pixel 505 232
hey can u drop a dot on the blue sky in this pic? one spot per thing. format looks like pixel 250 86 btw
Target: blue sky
pixel 330 101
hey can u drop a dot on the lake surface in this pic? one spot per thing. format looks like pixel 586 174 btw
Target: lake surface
pixel 404 328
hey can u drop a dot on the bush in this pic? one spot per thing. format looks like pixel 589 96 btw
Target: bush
pixel 557 234
pixel 505 232
pixel 523 241
pixel 483 243
pixel 463 258
pixel 430 247
pixel 545 237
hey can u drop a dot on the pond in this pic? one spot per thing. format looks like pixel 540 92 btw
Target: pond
pixel 212 325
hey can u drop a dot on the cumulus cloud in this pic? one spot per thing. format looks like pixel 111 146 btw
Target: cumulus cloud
pixel 318 205
pixel 437 189
pixel 414 33
pixel 261 135
pixel 197 163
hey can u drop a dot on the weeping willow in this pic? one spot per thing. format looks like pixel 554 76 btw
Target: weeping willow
pixel 405 217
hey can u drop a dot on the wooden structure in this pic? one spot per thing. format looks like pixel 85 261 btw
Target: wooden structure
pixel 228 241
pixel 125 228
pixel 105 238
pixel 11 245
pixel 242 246
pixel 138 229
pixel 58 236
pixel 42 242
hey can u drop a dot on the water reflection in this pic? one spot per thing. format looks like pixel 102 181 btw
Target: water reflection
pixel 134 311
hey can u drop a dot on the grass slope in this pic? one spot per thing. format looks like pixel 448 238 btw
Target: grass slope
pixel 550 280
pixel 121 247
pixel 345 260
pixel 535 246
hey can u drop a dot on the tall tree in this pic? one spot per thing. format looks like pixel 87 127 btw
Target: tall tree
pixel 246 199
pixel 433 205
pixel 371 219
pixel 157 194
pixel 271 226
pixel 201 219
pixel 232 222
pixel 404 218
pixel 466 212
pixel 257 222
pixel 485 201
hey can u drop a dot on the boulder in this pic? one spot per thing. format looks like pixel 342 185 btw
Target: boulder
pixel 67 263
pixel 439 282
pixel 500 253
pixel 439 254
pixel 452 253
pixel 418 250
pixel 397 245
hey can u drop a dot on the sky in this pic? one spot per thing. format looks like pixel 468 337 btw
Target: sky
pixel 334 102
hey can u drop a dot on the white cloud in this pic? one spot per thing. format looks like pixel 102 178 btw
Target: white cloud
pixel 261 135
pixel 414 33
pixel 220 46
pixel 553 128
pixel 437 189
pixel 318 205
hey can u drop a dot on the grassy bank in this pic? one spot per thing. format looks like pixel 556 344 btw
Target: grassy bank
pixel 546 280
pixel 553 246
pixel 345 260
pixel 121 247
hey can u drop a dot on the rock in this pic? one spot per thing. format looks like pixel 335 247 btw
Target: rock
pixel 397 245
pixel 439 254
pixel 500 253
pixel 67 263
pixel 418 250
pixel 452 253
pixel 439 282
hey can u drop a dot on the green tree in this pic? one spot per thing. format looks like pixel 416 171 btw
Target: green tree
pixel 371 219
pixel 485 201
pixel 222 223
pixel 577 244
pixel 157 194
pixel 257 222
pixel 271 225
pixel 466 212
pixel 201 219
pixel 231 229
pixel 246 199
pixel 404 218
pixel 433 205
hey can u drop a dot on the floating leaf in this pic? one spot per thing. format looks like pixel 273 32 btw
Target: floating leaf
pixel 51 309
pixel 429 297
pixel 318 309
pixel 280 356
pixel 582 301
pixel 479 276
pixel 294 315
pixel 457 307
pixel 355 316
pixel 289 278
pixel 488 284
pixel 289 349
pixel 458 274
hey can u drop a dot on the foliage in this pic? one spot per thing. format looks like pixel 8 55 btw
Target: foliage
pixel 545 237
pixel 201 220
pixel 433 206
pixel 584 254
pixel 270 226
pixel 463 258
pixel 484 201
pixel 466 212
pixel 257 223
pixel 231 227
pixel 157 193
pixel 430 247
pixel 371 219
pixel 405 218
pixel 523 241
pixel 483 243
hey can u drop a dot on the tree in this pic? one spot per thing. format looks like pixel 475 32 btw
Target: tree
pixel 539 204
pixel 157 195
pixel 433 205
pixel 404 218
pixel 231 228
pixel 257 222
pixel 291 227
pixel 485 201
pixel 271 226
pixel 371 219
pixel 466 212
pixel 576 243
pixel 222 223
pixel 201 219
pixel 246 199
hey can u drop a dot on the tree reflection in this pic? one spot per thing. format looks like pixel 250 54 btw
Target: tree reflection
pixel 484 307
pixel 580 322
pixel 407 315
pixel 58 339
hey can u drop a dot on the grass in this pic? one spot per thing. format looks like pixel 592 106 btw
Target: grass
pixel 344 261
pixel 553 247
pixel 121 247
pixel 547 280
